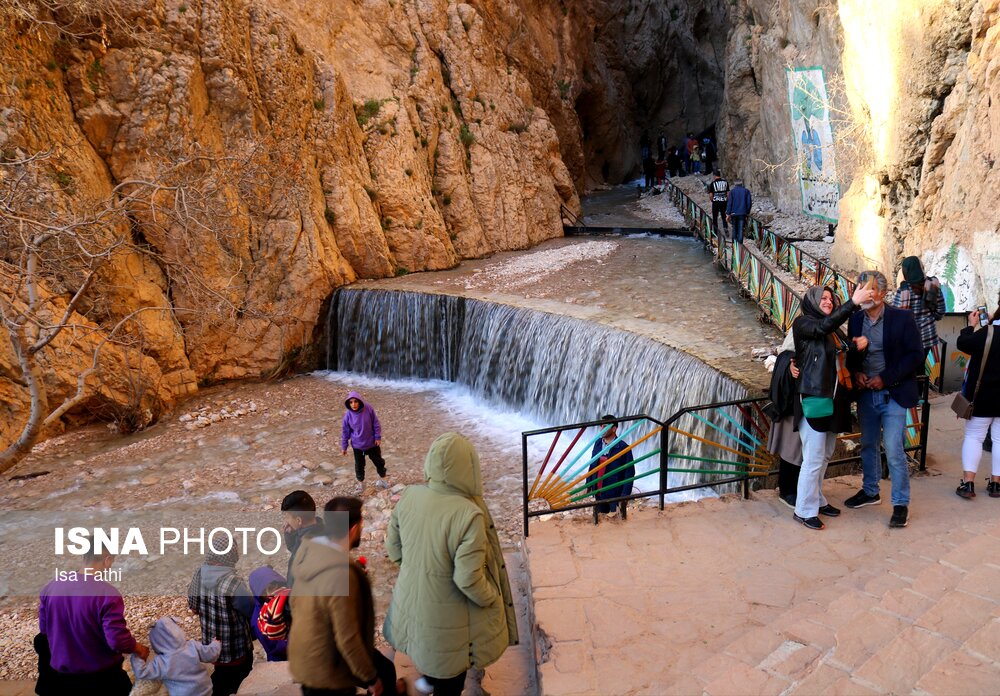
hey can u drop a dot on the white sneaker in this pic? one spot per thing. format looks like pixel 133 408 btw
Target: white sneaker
pixel 382 483
pixel 359 488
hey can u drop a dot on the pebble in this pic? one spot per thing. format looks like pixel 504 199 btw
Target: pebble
pixel 322 480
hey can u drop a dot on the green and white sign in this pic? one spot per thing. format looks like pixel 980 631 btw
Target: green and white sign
pixel 812 138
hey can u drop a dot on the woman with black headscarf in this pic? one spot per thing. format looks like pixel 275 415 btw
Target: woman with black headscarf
pixel 823 408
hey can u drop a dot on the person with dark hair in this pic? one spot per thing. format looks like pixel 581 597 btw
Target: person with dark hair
pixel 718 192
pixel 331 646
pixel 648 172
pixel 824 405
pixel 611 469
pixel 452 607
pixel 982 388
pixel 221 599
pixel 708 154
pixel 885 371
pixel 363 431
pixel 921 295
pixel 83 634
pixel 661 146
pixel 783 440
pixel 298 514
pixel 673 162
pixel 738 207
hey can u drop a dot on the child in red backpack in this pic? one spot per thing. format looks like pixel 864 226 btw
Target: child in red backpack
pixel 265 584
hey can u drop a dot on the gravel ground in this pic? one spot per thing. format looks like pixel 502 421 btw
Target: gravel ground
pixel 286 438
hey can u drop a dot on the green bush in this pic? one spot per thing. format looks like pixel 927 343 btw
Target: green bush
pixel 466 136
pixel 368 111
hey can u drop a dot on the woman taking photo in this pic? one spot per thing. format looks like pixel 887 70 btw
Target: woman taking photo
pixel 824 406
pixel 982 388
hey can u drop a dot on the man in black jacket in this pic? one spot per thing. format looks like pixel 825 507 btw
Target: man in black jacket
pixel 885 371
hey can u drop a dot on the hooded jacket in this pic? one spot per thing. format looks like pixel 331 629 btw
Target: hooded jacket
pixel 178 660
pixel 815 354
pixel 360 428
pixel 451 607
pixel 276 650
pixel 332 639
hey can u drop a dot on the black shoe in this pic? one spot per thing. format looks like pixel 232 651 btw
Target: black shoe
pixel 811 522
pixel 967 490
pixel 993 488
pixel 860 499
pixel 829 511
pixel 788 499
pixel 900 516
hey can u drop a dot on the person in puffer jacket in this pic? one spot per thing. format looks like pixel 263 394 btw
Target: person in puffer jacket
pixel 178 661
pixel 452 607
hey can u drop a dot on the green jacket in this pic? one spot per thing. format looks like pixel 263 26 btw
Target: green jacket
pixel 451 607
pixel 332 638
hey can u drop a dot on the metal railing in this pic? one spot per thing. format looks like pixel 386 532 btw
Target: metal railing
pixel 723 443
pixel 779 300
pixel 735 430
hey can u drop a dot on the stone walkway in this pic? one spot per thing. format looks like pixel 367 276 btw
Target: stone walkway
pixel 726 596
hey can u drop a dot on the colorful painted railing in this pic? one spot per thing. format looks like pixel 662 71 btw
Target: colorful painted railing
pixel 778 300
pixel 722 444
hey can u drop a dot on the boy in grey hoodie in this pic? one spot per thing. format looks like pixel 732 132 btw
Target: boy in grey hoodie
pixel 178 661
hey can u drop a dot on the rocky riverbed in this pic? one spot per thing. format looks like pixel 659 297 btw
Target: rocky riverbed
pixel 242 448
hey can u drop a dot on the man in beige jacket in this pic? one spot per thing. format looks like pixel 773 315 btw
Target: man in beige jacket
pixel 331 646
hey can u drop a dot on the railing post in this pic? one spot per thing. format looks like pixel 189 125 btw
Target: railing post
pixel 664 459
pixel 524 480
pixel 925 417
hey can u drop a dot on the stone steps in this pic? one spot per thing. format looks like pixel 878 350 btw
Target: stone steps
pixel 926 620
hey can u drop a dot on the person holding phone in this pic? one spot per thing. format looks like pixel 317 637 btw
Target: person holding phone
pixel 982 388
pixel 823 406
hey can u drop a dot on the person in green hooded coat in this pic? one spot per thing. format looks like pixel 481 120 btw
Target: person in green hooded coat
pixel 452 607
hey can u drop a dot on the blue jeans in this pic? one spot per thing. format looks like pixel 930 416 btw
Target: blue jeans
pixel 879 416
pixel 738 222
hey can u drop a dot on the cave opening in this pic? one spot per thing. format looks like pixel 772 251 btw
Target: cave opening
pixel 659 70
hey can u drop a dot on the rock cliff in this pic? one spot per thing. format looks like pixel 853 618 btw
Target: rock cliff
pixel 287 148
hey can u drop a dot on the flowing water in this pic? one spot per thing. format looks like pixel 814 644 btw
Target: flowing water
pixel 552 369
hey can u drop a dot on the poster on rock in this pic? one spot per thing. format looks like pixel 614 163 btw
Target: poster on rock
pixel 812 138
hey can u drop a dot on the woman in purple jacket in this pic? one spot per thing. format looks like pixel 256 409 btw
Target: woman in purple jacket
pixel 361 428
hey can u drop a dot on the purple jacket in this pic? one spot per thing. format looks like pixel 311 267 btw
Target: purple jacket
pixel 276 650
pixel 361 428
pixel 84 621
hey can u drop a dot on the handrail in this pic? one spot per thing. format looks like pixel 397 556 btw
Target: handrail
pixel 918 448
pixel 566 212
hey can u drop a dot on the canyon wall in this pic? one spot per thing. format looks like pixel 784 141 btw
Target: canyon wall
pixel 286 148
pixel 910 86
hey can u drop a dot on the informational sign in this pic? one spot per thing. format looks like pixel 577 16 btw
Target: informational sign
pixel 812 137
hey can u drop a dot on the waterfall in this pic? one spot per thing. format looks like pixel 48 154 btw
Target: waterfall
pixel 553 368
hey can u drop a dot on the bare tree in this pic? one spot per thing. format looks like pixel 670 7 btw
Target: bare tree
pixel 54 252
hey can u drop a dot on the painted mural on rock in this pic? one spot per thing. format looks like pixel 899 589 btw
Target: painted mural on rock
pixel 956 269
pixel 812 137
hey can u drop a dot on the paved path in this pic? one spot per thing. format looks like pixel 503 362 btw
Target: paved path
pixel 732 597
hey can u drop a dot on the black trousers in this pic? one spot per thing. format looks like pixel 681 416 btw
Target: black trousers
pixel 719 208
pixel 788 478
pixel 226 679
pixel 112 681
pixel 452 686
pixel 373 453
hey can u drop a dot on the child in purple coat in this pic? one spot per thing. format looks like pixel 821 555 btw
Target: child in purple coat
pixel 361 428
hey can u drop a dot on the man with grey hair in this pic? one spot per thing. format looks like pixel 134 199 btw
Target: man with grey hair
pixel 885 367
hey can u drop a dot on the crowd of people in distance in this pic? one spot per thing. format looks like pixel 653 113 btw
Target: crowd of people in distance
pixel 451 608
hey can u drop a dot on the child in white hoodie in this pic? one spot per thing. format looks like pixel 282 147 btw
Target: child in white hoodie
pixel 177 662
